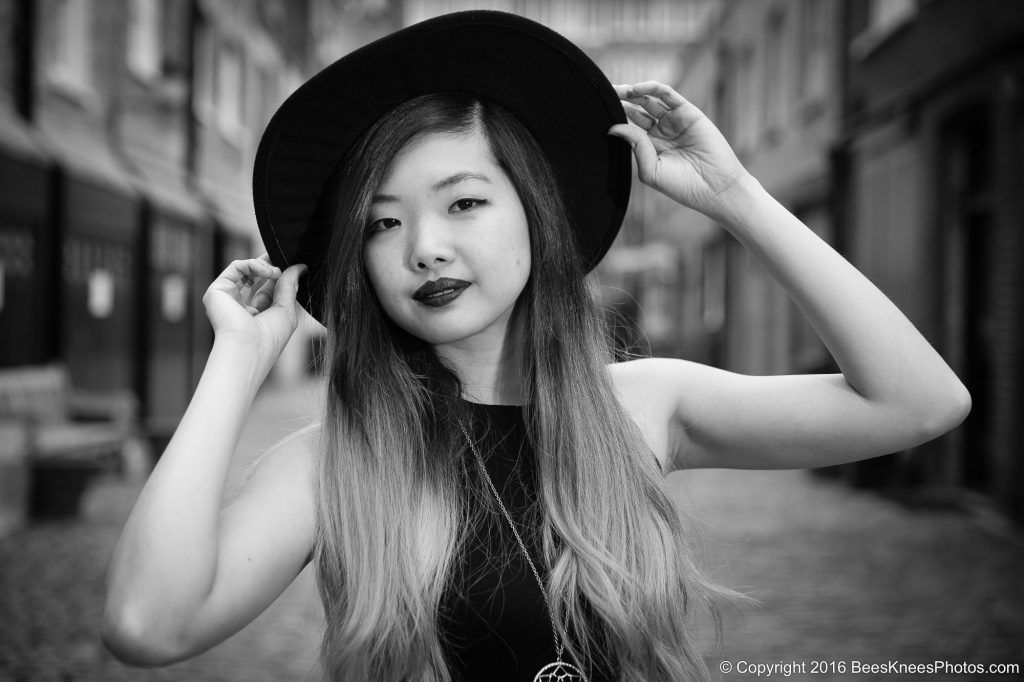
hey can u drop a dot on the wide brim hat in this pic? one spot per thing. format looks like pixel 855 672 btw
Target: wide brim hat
pixel 556 90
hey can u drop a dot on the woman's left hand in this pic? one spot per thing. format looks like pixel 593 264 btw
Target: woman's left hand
pixel 678 150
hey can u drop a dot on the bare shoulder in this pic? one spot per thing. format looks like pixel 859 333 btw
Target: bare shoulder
pixel 657 380
pixel 644 388
pixel 671 382
pixel 647 374
pixel 274 505
pixel 289 462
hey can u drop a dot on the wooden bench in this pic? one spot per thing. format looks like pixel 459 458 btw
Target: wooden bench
pixel 70 434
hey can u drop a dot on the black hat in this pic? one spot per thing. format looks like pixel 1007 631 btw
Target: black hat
pixel 559 94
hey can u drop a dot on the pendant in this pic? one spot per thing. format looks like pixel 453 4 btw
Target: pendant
pixel 559 671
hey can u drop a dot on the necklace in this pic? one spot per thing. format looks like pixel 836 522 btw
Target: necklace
pixel 559 671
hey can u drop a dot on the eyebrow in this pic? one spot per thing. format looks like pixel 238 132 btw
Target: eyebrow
pixel 453 180
pixel 450 181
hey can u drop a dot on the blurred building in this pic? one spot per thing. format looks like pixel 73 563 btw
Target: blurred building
pixel 127 133
pixel 767 74
pixel 933 145
pixel 24 201
pixel 894 130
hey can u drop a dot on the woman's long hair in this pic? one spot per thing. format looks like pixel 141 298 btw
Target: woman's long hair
pixel 391 517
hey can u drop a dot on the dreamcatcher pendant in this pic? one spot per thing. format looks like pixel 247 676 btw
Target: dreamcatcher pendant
pixel 559 671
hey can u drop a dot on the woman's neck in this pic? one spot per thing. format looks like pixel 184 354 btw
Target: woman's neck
pixel 491 369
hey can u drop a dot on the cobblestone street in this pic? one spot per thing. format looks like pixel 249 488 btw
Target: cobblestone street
pixel 847 576
pixel 843 574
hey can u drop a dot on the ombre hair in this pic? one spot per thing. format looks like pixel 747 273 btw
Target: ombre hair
pixel 392 518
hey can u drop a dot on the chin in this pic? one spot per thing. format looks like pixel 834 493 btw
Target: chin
pixel 451 328
pixel 443 334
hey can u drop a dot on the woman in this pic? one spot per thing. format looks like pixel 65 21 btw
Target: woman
pixel 481 500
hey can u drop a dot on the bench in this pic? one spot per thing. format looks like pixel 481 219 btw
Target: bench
pixel 68 434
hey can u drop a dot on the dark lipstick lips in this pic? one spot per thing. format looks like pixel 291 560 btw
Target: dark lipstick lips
pixel 439 289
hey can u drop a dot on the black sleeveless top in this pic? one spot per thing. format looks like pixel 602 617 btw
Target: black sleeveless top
pixel 494 622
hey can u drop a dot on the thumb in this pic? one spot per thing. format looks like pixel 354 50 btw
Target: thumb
pixel 643 149
pixel 288 285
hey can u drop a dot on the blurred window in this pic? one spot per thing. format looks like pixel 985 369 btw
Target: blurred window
pixel 725 94
pixel 220 83
pixel 17 261
pixel 230 90
pixel 659 302
pixel 713 287
pixel 658 17
pixel 264 96
pixel 595 21
pixel 576 20
pixel 71 47
pixel 170 247
pixel 813 52
pixel 617 14
pixel 746 118
pixel 144 44
pixel 775 91
pixel 205 80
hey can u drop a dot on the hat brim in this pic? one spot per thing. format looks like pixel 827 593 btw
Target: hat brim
pixel 559 94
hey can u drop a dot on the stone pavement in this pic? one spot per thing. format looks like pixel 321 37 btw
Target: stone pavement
pixel 846 575
pixel 843 575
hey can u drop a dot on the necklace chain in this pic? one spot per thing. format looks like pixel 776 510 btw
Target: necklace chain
pixel 547 601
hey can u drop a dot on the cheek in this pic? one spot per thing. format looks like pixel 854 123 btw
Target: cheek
pixel 372 266
pixel 521 246
pixel 377 272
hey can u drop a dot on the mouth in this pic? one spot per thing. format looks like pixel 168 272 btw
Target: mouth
pixel 440 291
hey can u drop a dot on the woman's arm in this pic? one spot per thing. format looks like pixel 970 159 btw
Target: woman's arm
pixel 184 574
pixel 895 391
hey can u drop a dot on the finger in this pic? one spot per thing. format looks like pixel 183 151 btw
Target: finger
pixel 261 264
pixel 652 105
pixel 670 97
pixel 247 288
pixel 643 149
pixel 254 278
pixel 251 268
pixel 263 296
pixel 288 285
pixel 638 115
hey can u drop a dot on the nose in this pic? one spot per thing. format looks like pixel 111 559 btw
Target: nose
pixel 430 245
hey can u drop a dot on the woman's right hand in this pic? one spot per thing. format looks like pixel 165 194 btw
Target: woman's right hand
pixel 252 302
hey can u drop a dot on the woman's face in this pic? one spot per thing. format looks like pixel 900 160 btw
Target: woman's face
pixel 447 246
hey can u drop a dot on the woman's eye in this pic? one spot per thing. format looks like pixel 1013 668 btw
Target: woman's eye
pixel 382 224
pixel 465 205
